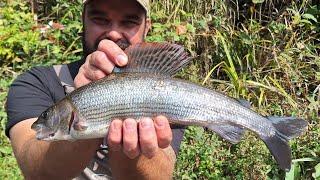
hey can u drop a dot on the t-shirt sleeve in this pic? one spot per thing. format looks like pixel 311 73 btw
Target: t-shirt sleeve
pixel 31 94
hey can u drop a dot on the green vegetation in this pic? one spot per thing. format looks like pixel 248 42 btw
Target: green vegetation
pixel 266 52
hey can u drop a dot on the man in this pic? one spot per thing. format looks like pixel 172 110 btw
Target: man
pixel 136 150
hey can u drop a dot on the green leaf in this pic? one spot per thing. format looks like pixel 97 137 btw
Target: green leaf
pixel 309 16
pixel 294 173
pixel 318 76
pixel 5 150
pixel 191 28
pixel 316 175
pixel 257 1
pixel 305 21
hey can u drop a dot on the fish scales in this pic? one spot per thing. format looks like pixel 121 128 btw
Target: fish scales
pixel 126 104
pixel 146 95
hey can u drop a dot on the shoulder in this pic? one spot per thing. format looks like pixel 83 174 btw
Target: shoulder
pixel 35 74
pixel 31 93
pixel 37 78
pixel 39 73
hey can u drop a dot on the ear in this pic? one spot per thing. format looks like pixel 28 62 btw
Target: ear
pixel 148 26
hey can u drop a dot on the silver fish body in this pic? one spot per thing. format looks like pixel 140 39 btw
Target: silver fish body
pixel 145 89
pixel 145 95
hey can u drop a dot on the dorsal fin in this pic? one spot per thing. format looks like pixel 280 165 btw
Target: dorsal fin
pixel 158 58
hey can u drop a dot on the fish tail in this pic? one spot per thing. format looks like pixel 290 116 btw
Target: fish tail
pixel 286 129
pixel 289 127
pixel 280 150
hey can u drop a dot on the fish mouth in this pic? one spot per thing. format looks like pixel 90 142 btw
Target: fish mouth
pixel 42 132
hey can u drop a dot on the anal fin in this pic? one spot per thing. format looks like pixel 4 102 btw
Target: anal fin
pixel 231 133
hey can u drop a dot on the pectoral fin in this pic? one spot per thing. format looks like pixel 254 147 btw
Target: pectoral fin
pixel 77 123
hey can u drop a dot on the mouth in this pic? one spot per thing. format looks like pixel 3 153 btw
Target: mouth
pixel 123 44
pixel 43 133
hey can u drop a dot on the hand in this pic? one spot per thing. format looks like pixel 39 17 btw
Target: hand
pixel 100 63
pixel 145 137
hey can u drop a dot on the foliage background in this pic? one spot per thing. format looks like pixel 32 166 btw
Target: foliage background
pixel 264 51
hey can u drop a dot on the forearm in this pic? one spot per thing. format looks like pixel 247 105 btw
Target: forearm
pixel 49 160
pixel 55 160
pixel 161 166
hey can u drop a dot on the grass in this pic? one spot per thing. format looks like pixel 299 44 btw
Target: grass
pixel 266 53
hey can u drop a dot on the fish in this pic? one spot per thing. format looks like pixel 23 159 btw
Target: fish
pixel 146 88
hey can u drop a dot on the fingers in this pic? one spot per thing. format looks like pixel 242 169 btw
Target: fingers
pixel 148 137
pixel 114 52
pixel 100 63
pixel 115 135
pixel 164 133
pixel 143 138
pixel 81 79
pixel 130 139
pixel 99 60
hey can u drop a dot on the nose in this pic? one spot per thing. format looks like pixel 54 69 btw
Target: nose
pixel 114 35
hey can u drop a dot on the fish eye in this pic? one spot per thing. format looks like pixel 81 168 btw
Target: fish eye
pixel 51 135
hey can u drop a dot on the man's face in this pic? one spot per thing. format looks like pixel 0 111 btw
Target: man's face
pixel 121 21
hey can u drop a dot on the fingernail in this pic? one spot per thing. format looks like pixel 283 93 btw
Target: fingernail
pixel 122 60
pixel 146 123
pixel 116 126
pixel 160 122
pixel 130 124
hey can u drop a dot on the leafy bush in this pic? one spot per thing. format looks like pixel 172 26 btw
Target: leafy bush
pixel 25 40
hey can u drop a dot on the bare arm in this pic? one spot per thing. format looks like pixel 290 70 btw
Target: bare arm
pixel 49 160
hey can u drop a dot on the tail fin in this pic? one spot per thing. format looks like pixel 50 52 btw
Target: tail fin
pixel 287 128
pixel 280 150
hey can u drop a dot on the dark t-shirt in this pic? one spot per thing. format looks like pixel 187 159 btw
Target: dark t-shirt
pixel 39 88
